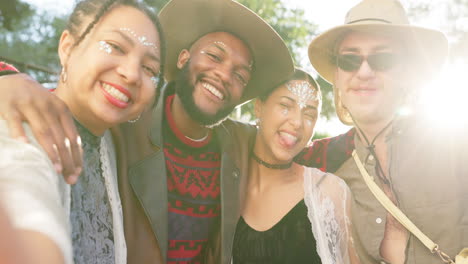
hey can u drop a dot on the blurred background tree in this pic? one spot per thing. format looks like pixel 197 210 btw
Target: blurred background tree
pixel 454 22
pixel 29 39
pixel 12 12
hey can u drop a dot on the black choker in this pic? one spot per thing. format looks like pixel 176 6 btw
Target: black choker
pixel 271 166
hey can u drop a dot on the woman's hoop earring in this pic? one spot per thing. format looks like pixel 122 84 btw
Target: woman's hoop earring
pixel 63 75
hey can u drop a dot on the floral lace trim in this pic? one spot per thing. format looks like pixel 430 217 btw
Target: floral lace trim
pixel 330 233
pixel 109 172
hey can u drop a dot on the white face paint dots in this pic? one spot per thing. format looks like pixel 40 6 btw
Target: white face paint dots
pixel 224 46
pixel 220 43
pixel 104 46
pixel 108 49
pixel 141 39
pixel 155 80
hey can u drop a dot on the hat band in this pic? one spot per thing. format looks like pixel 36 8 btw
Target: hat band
pixel 370 19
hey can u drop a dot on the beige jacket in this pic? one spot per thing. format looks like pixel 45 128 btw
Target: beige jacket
pixel 430 179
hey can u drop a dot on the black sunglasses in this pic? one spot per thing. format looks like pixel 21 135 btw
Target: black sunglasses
pixel 382 61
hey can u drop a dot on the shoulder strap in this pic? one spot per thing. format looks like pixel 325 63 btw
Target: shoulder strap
pixel 396 212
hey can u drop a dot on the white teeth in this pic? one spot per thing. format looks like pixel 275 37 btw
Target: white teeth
pixel 115 93
pixel 213 90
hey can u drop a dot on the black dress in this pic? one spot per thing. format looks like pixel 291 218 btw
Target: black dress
pixel 289 241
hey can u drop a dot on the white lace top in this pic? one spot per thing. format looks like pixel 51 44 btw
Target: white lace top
pixel 327 198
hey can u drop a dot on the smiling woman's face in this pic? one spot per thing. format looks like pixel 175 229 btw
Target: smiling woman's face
pixel 111 73
pixel 286 120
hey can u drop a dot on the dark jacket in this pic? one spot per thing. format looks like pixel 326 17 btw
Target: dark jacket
pixel 143 184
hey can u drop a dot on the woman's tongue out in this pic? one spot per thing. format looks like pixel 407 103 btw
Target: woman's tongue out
pixel 287 139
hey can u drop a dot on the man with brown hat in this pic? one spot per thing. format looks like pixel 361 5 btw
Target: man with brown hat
pixel 219 55
pixel 179 165
pixel 374 62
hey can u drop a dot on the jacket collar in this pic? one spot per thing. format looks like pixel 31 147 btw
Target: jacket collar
pixel 157 116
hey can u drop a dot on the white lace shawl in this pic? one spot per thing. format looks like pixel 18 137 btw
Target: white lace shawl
pixel 327 198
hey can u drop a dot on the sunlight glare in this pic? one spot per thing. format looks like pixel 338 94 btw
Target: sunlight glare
pixel 445 102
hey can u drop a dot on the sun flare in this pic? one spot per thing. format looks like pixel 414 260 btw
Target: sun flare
pixel 445 101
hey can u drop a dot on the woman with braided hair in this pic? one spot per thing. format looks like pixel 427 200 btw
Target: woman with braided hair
pixel 111 53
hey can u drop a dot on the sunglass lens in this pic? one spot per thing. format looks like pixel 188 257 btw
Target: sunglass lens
pixel 348 62
pixel 382 61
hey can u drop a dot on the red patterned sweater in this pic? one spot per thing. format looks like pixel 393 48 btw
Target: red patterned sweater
pixel 193 171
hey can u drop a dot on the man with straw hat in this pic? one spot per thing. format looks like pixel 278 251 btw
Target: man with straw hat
pixel 179 165
pixel 375 61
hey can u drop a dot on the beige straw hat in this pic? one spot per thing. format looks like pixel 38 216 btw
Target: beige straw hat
pixel 427 48
pixel 185 21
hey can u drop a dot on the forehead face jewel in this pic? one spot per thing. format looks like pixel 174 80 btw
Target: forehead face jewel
pixel 304 92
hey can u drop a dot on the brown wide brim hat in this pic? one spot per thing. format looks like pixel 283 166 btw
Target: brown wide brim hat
pixel 426 53
pixel 185 21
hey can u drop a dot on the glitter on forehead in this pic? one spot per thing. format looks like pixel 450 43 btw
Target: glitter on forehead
pixel 304 91
pixel 141 39
pixel 220 43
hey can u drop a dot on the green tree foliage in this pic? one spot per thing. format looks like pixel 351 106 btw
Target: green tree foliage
pixel 457 15
pixel 12 12
pixel 290 24
pixel 454 22
pixel 30 43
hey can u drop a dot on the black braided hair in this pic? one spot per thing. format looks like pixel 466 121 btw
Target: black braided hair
pixel 98 8
pixel 83 10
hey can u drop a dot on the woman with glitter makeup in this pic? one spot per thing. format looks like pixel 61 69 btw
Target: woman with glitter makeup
pixel 110 54
pixel 291 214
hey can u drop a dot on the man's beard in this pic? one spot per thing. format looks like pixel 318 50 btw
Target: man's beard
pixel 184 89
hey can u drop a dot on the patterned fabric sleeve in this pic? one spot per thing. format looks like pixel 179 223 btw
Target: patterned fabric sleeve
pixel 6 69
pixel 328 154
